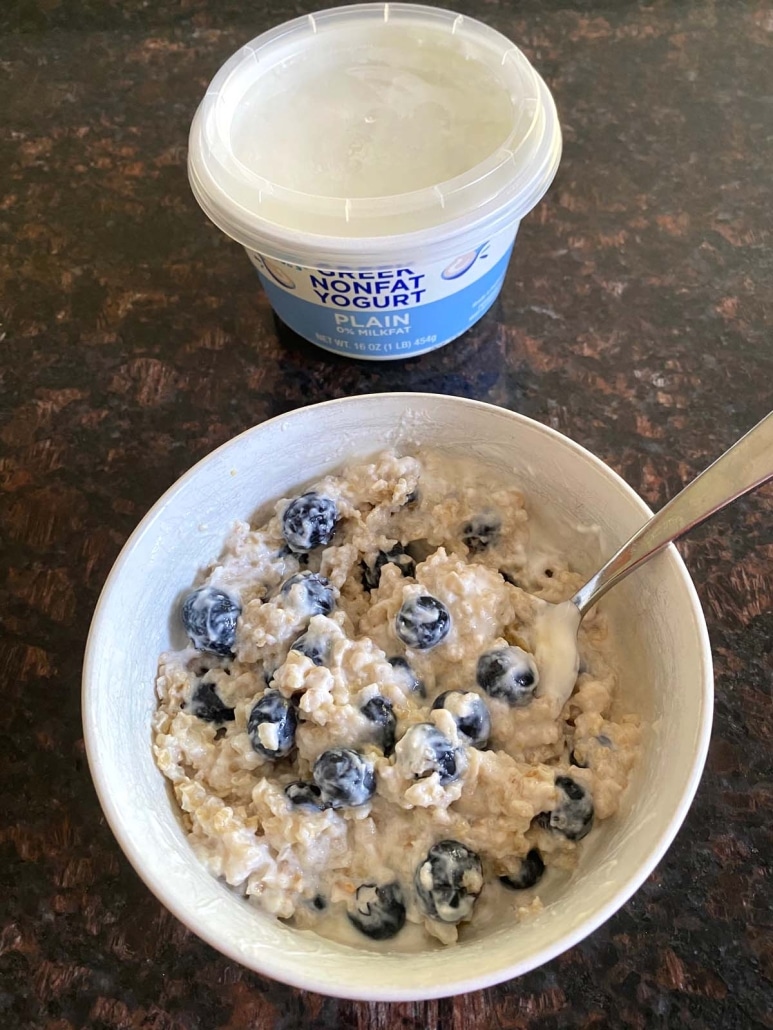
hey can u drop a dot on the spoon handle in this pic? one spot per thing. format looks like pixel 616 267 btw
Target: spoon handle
pixel 746 465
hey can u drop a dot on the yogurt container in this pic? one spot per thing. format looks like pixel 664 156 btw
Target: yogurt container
pixel 375 162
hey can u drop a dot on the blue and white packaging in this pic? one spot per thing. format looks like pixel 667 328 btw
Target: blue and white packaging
pixel 374 277
pixel 396 311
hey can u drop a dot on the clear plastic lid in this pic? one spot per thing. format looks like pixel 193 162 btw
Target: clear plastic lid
pixel 362 127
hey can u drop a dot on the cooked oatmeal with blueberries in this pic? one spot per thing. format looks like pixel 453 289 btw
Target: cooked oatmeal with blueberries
pixel 357 737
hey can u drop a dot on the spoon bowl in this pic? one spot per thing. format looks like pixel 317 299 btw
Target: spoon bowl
pixel 742 468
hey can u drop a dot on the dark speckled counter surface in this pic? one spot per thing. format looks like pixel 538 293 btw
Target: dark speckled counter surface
pixel 636 318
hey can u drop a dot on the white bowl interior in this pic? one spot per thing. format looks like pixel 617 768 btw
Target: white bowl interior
pixel 655 614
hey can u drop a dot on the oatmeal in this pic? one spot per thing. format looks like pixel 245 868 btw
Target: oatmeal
pixel 359 736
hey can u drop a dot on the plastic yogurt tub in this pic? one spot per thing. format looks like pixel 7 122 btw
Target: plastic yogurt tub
pixel 375 161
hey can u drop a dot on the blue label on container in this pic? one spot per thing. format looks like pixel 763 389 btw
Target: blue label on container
pixel 385 314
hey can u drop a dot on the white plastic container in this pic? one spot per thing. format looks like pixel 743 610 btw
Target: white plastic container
pixel 375 161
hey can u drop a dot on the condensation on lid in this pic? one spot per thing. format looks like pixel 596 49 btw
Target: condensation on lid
pixel 368 121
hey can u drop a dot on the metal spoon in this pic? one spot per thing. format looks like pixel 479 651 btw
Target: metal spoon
pixel 743 467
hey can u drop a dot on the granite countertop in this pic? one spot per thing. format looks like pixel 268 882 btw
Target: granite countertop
pixel 636 318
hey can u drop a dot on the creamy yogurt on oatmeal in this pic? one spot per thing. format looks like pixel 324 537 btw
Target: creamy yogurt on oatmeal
pixel 368 735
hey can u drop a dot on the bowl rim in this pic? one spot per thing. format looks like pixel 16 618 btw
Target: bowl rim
pixel 310 981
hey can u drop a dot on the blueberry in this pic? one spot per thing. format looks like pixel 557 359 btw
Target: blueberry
pixel 379 711
pixel 412 499
pixel 276 717
pixel 449 881
pixel 481 532
pixel 305 795
pixel 344 777
pixel 314 646
pixel 207 704
pixel 318 596
pixel 371 571
pixel 424 750
pixel 422 622
pixel 527 874
pixel 379 912
pixel 509 674
pixel 412 682
pixel 470 713
pixel 209 617
pixel 604 740
pixel 309 521
pixel 573 815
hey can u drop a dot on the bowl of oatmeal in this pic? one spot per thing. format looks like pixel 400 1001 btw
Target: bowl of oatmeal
pixel 327 736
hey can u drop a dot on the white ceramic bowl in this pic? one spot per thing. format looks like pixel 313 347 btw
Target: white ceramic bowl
pixel 666 676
